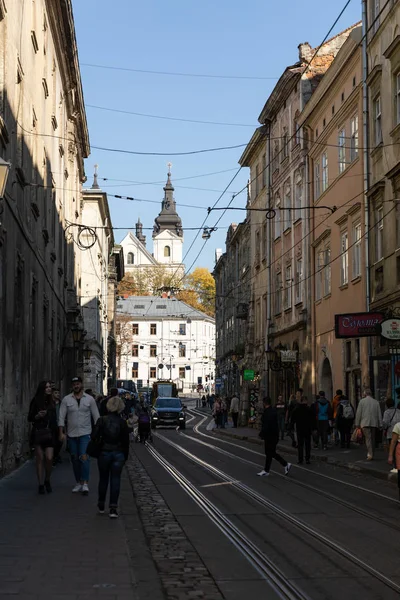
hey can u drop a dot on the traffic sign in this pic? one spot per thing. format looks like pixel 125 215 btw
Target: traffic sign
pixel 218 381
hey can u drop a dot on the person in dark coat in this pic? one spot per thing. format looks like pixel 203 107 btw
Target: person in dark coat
pixel 303 418
pixel 270 434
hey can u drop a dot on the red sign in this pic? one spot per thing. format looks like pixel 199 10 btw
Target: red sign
pixel 357 324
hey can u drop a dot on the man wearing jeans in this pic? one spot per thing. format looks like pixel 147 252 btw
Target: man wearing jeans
pixel 78 409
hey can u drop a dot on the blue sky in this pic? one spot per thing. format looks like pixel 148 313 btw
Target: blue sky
pixel 253 39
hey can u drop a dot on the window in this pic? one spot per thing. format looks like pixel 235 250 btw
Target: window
pixel 357 250
pixel 333 109
pixel 288 208
pixel 397 223
pixel 153 372
pixel 357 353
pixel 298 281
pixel 377 112
pixel 182 350
pixel 288 288
pixel 257 180
pixel 344 258
pixel 348 354
pixel 167 251
pixel 327 272
pixel 379 234
pixel 324 162
pixel 135 370
pixel 354 81
pixel 257 248
pixel 397 269
pixel 285 146
pixel 264 170
pixel 278 293
pixel 379 283
pixel 375 17
pixel 131 259
pixel 182 329
pixel 298 198
pixel 135 350
pixel 153 328
pixel 153 350
pixel 275 162
pixel 354 138
pixel 317 180
pixel 342 150
pixel 277 219
pixel 318 275
pixel 135 329
pixel 296 131
pixel 397 98
pixel 182 372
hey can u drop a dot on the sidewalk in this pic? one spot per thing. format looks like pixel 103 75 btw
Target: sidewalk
pixel 55 547
pixel 353 459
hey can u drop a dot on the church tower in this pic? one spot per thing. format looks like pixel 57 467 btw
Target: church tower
pixel 167 231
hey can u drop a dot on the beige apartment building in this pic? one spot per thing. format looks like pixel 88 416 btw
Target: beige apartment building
pixel 332 121
pixel 383 163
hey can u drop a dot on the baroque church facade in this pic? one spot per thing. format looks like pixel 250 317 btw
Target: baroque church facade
pixel 167 240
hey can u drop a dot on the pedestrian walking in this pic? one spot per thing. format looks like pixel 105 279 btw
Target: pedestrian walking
pixel 111 433
pixel 293 401
pixel 203 401
pixel 335 406
pixel 224 405
pixel 144 422
pixel 270 434
pixel 42 415
pixel 344 421
pixel 235 410
pixel 281 410
pixel 217 412
pixel 76 413
pixel 369 419
pixel 391 416
pixel 323 416
pixel 394 452
pixel 303 419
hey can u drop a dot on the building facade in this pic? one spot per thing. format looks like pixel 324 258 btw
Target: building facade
pixel 232 273
pixel 164 338
pixel 98 264
pixel 382 160
pixel 332 122
pixel 43 134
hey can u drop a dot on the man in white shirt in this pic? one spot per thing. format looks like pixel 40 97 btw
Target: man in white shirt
pixel 79 409
pixel 235 409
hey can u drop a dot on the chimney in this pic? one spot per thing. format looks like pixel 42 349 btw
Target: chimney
pixel 305 52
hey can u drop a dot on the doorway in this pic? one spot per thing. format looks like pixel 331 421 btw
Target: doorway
pixel 326 379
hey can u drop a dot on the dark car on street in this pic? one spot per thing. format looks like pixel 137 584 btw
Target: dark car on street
pixel 168 411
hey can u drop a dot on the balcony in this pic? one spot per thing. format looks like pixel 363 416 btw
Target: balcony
pixel 242 311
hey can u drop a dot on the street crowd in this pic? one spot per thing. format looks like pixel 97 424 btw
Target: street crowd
pixel 87 426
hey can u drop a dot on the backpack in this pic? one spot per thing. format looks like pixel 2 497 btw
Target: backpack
pixel 323 411
pixel 348 412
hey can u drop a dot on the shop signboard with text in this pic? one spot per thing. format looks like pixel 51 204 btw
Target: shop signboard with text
pixel 356 325
pixel 390 329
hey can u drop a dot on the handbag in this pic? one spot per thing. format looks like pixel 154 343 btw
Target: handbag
pixel 95 445
pixel 357 436
pixel 43 436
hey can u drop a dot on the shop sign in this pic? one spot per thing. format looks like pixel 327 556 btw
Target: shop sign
pixel 354 325
pixel 248 375
pixel 288 356
pixel 390 329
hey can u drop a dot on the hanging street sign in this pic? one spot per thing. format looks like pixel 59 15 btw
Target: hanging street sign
pixel 248 375
pixel 288 356
pixel 390 329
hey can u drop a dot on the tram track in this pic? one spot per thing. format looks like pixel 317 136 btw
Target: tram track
pixel 325 540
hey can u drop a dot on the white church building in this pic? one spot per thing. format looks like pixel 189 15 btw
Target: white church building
pixel 167 240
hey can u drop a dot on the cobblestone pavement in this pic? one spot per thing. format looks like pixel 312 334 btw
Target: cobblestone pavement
pixel 55 547
pixel 183 573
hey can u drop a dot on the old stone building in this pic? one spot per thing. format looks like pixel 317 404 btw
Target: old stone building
pixel 280 309
pixel 232 272
pixel 332 120
pixel 43 135
pixel 382 20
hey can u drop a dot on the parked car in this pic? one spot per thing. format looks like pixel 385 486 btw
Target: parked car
pixel 168 411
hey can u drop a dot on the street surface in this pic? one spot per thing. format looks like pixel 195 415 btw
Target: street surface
pixel 197 522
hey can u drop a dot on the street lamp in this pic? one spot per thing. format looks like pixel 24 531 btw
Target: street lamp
pixel 87 353
pixel 76 334
pixel 4 171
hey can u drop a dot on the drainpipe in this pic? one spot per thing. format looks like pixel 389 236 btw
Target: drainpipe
pixel 269 252
pixel 366 161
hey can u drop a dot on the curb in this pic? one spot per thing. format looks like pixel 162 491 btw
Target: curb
pixel 354 467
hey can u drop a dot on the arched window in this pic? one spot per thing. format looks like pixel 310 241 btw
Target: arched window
pixel 131 258
pixel 167 251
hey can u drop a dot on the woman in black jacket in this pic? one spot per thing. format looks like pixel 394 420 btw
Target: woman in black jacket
pixel 113 432
pixel 42 415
